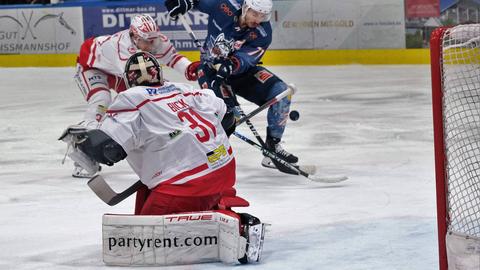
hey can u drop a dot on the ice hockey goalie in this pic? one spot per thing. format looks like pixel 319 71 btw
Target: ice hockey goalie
pixel 175 138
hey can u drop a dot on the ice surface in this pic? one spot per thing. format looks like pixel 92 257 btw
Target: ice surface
pixel 371 123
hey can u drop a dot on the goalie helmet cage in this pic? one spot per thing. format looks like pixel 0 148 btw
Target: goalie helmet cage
pixel 455 71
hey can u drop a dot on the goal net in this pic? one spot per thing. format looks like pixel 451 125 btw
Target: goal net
pixel 455 55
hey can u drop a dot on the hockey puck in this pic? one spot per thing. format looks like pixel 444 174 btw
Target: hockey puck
pixel 294 115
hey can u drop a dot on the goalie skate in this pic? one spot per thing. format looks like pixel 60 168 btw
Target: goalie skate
pixel 256 236
pixel 254 232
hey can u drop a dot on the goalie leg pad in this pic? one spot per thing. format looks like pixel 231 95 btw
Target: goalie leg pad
pixel 188 238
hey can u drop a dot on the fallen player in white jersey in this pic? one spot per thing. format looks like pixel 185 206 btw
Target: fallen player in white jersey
pixel 175 138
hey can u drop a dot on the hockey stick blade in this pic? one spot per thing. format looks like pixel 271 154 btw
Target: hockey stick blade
pixel 100 187
pixel 294 169
pixel 310 169
pixel 327 178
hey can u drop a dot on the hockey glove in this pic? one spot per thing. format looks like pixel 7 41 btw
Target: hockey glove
pixel 224 70
pixel 191 72
pixel 229 122
pixel 219 85
pixel 176 7
pixel 74 135
pixel 94 145
pixel 101 148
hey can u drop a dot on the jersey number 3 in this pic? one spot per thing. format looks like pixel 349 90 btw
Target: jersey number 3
pixel 197 121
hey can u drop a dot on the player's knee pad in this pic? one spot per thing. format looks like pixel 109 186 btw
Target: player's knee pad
pixel 90 81
pixel 278 113
pixel 180 239
pixel 101 148
pixel 277 88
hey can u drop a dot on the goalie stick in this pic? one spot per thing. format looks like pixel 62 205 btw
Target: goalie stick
pixel 297 169
pixel 103 190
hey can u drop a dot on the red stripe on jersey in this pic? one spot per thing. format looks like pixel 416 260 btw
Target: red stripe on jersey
pixel 163 38
pixel 220 180
pixel 94 91
pixel 161 55
pixel 167 97
pixel 175 60
pixel 152 100
pixel 184 174
pixel 85 51
pixel 105 40
pixel 118 49
pixel 192 94
pixel 93 55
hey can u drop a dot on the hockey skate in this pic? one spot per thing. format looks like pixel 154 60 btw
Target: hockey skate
pixel 254 232
pixel 273 145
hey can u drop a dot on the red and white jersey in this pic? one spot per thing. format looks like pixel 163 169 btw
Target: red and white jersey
pixel 110 53
pixel 173 136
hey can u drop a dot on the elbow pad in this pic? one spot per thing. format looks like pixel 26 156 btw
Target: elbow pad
pixel 229 122
pixel 102 148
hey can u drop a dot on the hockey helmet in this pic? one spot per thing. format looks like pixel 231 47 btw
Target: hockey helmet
pixel 143 69
pixel 144 26
pixel 262 6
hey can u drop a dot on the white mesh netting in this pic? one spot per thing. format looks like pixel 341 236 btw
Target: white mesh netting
pixel 461 110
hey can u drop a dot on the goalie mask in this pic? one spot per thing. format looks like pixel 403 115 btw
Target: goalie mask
pixel 143 69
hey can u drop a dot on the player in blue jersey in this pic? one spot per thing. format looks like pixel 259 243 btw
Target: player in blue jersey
pixel 239 33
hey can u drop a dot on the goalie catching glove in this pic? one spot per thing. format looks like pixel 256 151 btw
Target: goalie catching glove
pixel 91 147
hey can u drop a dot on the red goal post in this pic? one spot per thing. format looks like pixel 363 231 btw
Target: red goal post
pixel 455 72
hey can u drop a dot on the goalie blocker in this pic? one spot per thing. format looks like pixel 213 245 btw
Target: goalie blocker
pixel 188 238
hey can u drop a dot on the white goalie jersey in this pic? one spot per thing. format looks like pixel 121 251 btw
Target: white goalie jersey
pixel 173 135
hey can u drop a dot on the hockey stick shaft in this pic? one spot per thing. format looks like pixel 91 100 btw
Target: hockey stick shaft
pixel 326 179
pixel 189 30
pixel 290 91
pixel 271 154
pixel 103 190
